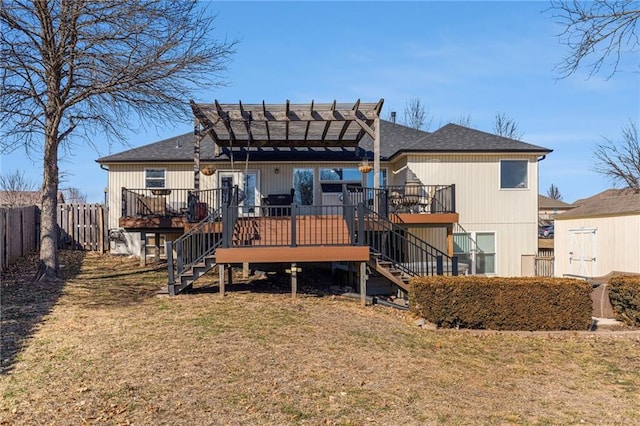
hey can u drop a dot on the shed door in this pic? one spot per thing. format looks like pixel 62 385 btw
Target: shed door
pixel 582 252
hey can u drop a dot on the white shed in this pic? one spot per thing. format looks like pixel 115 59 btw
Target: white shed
pixel 599 236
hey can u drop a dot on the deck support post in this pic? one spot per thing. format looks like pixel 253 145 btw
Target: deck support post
pixel 245 269
pixel 363 283
pixel 156 243
pixel 230 275
pixel 221 277
pixel 143 248
pixel 172 282
pixel 294 280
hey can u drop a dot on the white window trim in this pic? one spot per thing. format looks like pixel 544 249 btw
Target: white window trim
pixel 164 178
pixel 526 188
pixel 474 251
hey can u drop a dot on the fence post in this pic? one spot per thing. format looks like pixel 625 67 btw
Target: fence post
pixel 454 266
pixel 439 265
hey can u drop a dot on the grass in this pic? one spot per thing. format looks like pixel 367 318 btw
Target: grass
pixel 104 349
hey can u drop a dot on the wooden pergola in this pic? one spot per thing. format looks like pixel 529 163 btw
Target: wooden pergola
pixel 326 125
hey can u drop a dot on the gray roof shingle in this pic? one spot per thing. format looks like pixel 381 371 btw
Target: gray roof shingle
pixel 394 139
pixel 612 202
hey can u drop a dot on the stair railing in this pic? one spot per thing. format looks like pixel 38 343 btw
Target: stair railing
pixel 193 246
pixel 404 250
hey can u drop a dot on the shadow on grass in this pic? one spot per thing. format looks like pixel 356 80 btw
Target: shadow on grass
pixel 272 279
pixel 24 302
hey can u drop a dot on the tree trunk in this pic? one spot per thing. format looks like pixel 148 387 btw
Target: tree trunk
pixel 49 266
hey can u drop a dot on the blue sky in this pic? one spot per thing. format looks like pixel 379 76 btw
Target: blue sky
pixel 459 58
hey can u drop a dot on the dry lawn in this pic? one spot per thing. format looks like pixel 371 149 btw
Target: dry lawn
pixel 103 348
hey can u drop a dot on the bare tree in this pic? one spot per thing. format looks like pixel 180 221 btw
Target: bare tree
pixel 464 120
pixel 621 162
pixel 416 115
pixel 598 30
pixel 74 195
pixel 505 126
pixel 554 193
pixel 73 68
pixel 16 189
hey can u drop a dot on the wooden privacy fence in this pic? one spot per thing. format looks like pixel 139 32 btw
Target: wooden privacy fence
pixel 19 231
pixel 544 263
pixel 83 227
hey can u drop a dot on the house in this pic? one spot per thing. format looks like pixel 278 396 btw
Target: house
pixel 549 208
pixel 463 193
pixel 600 235
pixel 24 198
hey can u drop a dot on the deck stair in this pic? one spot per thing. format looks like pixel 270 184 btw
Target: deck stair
pixel 386 269
pixel 195 253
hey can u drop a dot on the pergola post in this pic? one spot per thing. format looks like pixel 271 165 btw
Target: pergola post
pixel 196 155
pixel 376 153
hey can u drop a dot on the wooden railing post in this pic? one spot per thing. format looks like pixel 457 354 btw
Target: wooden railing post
pixel 361 239
pixel 124 202
pixel 294 227
pixel 453 198
pixel 172 281
pixel 439 265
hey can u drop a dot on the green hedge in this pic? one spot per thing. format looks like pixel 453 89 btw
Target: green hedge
pixel 503 303
pixel 624 293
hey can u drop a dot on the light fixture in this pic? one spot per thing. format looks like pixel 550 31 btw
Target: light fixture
pixel 276 171
pixel 364 166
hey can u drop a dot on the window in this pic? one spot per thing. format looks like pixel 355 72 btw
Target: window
pixel 513 174
pixel 331 180
pixel 154 178
pixel 382 180
pixel 303 186
pixel 476 249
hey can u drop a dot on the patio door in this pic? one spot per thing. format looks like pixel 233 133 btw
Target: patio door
pixel 248 185
pixel 582 252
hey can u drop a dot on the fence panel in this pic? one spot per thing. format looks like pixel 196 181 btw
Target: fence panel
pixel 82 227
pixel 544 266
pixel 18 233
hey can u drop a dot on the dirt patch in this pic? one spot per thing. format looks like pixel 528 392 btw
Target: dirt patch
pixel 108 350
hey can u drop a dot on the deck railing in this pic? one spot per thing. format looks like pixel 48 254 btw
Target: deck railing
pixel 288 226
pixel 164 202
pixel 404 250
pixel 409 198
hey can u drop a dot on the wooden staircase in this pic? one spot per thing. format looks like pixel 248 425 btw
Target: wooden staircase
pixel 188 277
pixel 386 269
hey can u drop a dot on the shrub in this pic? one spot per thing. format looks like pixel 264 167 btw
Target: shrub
pixel 624 293
pixel 503 303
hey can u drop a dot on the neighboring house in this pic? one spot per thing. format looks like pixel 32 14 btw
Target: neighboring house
pixel 549 208
pixel 600 235
pixel 476 193
pixel 24 198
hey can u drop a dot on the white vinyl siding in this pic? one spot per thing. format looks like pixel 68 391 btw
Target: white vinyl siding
pixel 482 205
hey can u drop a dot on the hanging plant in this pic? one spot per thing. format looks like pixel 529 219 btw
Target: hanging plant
pixel 364 166
pixel 208 170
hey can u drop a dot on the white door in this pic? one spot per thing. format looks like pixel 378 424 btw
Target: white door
pixel 248 185
pixel 582 252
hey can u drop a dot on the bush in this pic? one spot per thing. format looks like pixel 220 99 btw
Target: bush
pixel 503 303
pixel 624 293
